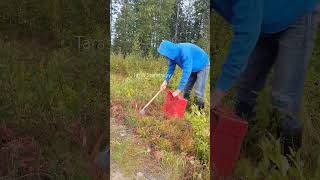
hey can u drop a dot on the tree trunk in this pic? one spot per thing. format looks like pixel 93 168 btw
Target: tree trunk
pixel 175 39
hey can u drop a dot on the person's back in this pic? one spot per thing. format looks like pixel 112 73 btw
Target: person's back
pixel 279 13
pixel 199 56
pixel 195 50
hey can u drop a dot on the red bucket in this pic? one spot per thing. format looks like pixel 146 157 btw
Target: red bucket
pixel 229 131
pixel 174 107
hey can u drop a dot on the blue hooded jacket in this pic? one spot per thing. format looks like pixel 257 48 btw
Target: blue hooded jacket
pixel 189 57
pixel 249 19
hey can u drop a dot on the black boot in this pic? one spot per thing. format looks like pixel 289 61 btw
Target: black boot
pixel 199 103
pixel 290 136
pixel 200 106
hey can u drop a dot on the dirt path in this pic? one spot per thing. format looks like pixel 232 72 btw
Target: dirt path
pixel 130 157
pixel 116 131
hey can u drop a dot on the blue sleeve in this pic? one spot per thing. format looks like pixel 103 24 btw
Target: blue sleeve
pixel 187 69
pixel 246 22
pixel 171 68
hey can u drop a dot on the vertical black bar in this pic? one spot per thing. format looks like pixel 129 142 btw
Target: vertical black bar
pixel 109 4
pixel 211 89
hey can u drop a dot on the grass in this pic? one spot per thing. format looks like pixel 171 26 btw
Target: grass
pixel 261 158
pixel 183 145
pixel 45 92
pixel 124 150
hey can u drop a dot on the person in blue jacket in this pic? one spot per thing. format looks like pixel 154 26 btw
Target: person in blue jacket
pixel 194 62
pixel 266 34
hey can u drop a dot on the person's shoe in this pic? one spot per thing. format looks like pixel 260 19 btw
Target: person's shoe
pixel 200 106
pixel 290 138
pixel 199 103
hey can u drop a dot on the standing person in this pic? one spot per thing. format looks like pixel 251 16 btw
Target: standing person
pixel 268 33
pixel 195 64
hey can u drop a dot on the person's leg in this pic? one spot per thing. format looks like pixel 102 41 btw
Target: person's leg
pixel 295 49
pixel 199 90
pixel 253 78
pixel 188 87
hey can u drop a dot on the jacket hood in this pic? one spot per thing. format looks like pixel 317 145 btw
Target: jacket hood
pixel 169 49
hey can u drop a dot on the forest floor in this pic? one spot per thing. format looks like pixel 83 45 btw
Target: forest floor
pixel 130 158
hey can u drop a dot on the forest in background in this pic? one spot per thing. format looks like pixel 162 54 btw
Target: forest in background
pixel 139 26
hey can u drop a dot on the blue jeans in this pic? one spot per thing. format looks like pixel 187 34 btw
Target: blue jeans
pixel 288 52
pixel 197 79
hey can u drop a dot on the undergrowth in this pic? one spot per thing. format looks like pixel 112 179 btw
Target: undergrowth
pixel 182 146
pixel 55 98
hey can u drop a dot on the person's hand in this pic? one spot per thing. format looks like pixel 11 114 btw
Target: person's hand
pixel 163 85
pixel 176 93
pixel 216 98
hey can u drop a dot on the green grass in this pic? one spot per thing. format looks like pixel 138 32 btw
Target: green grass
pixel 135 80
pixel 44 91
pixel 124 150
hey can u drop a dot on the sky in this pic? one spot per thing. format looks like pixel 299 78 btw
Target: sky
pixel 115 9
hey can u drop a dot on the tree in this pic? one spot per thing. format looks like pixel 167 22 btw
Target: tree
pixel 145 23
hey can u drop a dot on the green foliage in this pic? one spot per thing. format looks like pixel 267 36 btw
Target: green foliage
pixel 53 20
pixel 201 128
pixel 132 74
pixel 46 85
pixel 140 26
pixel 43 93
pixel 273 165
